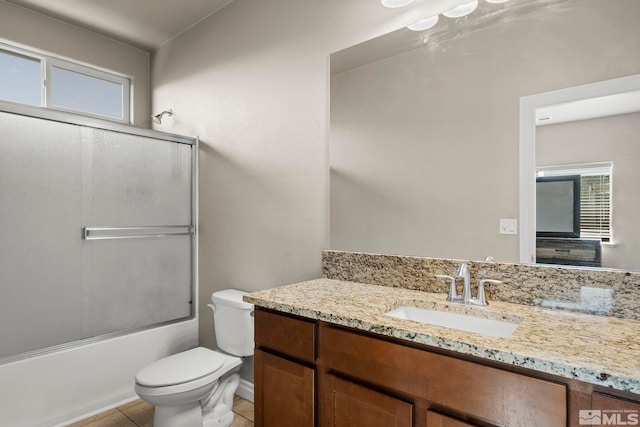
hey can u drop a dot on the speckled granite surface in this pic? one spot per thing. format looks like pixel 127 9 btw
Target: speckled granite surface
pixel 595 291
pixel 596 349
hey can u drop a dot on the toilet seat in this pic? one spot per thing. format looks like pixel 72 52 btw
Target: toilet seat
pixel 180 368
pixel 186 371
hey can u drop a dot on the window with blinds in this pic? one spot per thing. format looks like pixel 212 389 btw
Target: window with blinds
pixel 595 196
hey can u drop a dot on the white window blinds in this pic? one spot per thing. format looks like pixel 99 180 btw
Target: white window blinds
pixel 595 196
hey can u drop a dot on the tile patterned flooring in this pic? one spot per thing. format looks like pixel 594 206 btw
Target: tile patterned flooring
pixel 140 414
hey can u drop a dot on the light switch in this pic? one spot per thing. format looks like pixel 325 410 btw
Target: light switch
pixel 508 226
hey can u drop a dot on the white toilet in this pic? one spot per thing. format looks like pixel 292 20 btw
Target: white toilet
pixel 195 388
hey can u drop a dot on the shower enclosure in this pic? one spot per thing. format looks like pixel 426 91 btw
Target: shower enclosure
pixel 97 226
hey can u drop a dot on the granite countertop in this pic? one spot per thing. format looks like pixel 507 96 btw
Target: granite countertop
pixel 596 349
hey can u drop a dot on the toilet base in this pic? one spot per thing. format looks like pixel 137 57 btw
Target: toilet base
pixel 215 409
pixel 188 415
pixel 217 406
pixel 205 401
pixel 222 421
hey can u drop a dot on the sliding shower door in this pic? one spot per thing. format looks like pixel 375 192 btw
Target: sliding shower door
pixel 40 246
pixel 96 232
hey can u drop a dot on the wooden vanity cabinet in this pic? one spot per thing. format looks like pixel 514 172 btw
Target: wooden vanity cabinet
pixel 469 390
pixel 615 410
pixel 284 375
pixel 605 402
pixel 435 419
pixel 354 405
pixel 284 393
pixel 311 373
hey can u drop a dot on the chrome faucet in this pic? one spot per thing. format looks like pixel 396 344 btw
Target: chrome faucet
pixel 464 273
pixel 467 298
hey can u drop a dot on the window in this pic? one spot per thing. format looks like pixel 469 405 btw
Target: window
pixel 20 78
pixel 595 197
pixel 29 78
pixel 75 88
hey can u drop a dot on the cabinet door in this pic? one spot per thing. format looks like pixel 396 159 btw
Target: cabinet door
pixel 353 405
pixel 435 419
pixel 613 411
pixel 284 392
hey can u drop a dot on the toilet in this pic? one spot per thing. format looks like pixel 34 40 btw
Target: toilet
pixel 195 388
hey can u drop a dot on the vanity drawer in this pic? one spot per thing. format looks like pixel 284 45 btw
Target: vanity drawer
pixel 290 336
pixel 478 391
pixel 611 404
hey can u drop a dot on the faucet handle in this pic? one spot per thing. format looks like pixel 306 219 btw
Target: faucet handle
pixel 453 289
pixel 482 297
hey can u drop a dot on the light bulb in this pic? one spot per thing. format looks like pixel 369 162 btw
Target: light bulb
pixel 462 10
pixel 424 24
pixel 395 3
pixel 497 1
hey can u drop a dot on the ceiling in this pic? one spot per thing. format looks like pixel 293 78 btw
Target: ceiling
pixel 146 24
pixel 622 103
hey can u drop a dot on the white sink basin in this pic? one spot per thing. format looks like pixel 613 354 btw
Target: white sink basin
pixel 491 327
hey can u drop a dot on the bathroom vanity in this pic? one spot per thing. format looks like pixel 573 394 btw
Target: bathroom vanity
pixel 327 355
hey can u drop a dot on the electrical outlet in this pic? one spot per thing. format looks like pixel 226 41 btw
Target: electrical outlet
pixel 508 226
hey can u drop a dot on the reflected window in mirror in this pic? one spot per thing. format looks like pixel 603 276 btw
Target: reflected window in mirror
pixel 558 206
pixel 595 197
pixel 573 213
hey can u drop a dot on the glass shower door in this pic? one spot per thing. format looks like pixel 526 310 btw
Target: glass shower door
pixel 96 232
pixel 136 198
pixel 40 245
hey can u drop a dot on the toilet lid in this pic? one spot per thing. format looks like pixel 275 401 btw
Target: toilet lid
pixel 181 368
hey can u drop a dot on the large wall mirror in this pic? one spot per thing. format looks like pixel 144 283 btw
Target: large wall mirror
pixel 425 134
pixel 589 134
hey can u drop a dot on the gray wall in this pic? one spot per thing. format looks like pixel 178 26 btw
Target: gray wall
pixel 30 30
pixel 252 81
pixel 610 139
pixel 424 145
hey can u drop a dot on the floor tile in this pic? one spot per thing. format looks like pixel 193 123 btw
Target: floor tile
pixel 140 413
pixel 244 408
pixel 94 418
pixel 132 403
pixel 240 421
pixel 115 419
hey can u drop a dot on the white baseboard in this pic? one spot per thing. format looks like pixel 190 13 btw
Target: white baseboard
pixel 245 390
pixel 98 411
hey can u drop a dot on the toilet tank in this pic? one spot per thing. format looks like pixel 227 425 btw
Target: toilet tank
pixel 233 322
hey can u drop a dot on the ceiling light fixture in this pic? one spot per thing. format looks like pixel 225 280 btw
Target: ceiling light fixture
pixel 462 10
pixel 395 3
pixel 424 24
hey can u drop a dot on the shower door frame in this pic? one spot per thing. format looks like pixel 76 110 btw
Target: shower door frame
pixel 84 121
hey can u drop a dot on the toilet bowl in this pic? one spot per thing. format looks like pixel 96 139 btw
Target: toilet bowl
pixel 195 388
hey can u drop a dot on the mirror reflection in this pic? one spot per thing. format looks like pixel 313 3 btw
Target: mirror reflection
pixel 601 153
pixel 424 129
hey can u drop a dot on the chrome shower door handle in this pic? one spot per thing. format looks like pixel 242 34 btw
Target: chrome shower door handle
pixel 106 233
